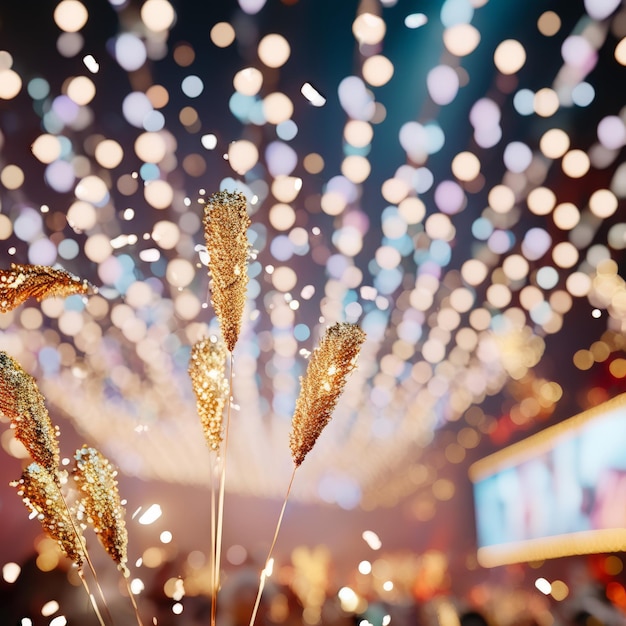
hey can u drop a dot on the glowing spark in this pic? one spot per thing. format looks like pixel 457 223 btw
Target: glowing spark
pixel 372 540
pixel 91 64
pixel 313 95
pixel 151 515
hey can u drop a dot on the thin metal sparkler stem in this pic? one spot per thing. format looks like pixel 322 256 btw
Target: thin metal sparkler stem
pixel 269 554
pixel 92 600
pixel 86 555
pixel 220 503
pixel 131 595
pixel 214 471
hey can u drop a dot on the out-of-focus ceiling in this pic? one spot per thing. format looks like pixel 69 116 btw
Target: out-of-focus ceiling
pixel 449 176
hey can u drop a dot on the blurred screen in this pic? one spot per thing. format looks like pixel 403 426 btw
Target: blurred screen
pixel 557 493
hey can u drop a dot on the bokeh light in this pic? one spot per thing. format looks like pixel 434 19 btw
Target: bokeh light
pixel 157 15
pixel 70 15
pixel 274 50
pixel 509 56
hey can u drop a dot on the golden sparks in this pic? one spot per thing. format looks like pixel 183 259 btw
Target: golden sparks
pixel 226 223
pixel 320 388
pixel 100 501
pixel 21 282
pixel 22 402
pixel 41 494
pixel 207 365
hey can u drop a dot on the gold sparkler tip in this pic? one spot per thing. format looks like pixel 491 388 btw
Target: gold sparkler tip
pixel 22 403
pixel 41 493
pixel 226 224
pixel 207 366
pixel 100 502
pixel 321 386
pixel 21 282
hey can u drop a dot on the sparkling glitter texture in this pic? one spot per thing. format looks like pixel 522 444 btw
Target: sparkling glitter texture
pixel 100 502
pixel 207 365
pixel 225 229
pixel 41 494
pixel 21 282
pixel 320 387
pixel 22 402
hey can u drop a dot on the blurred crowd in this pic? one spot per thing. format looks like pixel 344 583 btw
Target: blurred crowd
pixel 57 598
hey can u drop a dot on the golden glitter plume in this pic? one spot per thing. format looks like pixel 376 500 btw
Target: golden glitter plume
pixel 22 402
pixel 40 493
pixel 207 366
pixel 226 223
pixel 320 388
pixel 21 282
pixel 100 500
